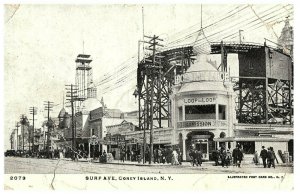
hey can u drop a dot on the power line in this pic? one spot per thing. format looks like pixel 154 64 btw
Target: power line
pixel 33 111
pixel 72 96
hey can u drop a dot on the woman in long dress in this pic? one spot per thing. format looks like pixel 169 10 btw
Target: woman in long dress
pixel 175 158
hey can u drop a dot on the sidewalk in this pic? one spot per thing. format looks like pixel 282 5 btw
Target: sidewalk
pixel 185 164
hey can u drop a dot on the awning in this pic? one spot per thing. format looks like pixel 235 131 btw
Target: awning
pixel 252 138
pixel 225 139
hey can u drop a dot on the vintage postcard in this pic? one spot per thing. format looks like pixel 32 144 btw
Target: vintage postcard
pixel 148 96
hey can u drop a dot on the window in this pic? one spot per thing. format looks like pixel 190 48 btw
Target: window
pixel 180 113
pixel 197 112
pixel 93 131
pixel 222 112
pixel 248 147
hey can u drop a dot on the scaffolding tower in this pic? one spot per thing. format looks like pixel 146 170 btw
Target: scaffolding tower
pixel 155 77
pixel 84 76
pixel 264 87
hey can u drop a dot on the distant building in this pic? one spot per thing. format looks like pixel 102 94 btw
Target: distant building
pixel 286 38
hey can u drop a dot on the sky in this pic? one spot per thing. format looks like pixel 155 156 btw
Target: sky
pixel 41 43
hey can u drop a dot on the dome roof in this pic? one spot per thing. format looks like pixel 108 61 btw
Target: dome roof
pixel 202 64
pixel 203 76
pixel 62 113
pixel 90 104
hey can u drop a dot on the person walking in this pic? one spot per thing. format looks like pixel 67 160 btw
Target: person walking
pixel 164 153
pixel 192 155
pixel 174 160
pixel 179 156
pixel 228 158
pixel 159 154
pixel 237 156
pixel 155 156
pixel 122 155
pixel 271 157
pixel 223 155
pixel 256 158
pixel 264 155
pixel 199 157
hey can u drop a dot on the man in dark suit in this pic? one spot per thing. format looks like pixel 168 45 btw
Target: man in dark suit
pixel 264 155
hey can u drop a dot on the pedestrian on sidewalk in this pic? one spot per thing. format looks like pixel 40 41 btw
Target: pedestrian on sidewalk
pixel 223 156
pixel 237 156
pixel 228 158
pixel 193 157
pixel 159 154
pixel 179 156
pixel 155 155
pixel 174 160
pixel 122 155
pixel 264 156
pixel 271 157
pixel 163 153
pixel 199 157
pixel 256 158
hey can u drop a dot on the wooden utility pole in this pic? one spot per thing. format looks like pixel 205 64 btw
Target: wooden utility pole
pixel 17 127
pixel 33 111
pixel 23 123
pixel 11 140
pixel 72 96
pixel 48 107
pixel 153 71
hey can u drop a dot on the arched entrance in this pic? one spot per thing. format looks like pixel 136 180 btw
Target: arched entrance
pixel 200 140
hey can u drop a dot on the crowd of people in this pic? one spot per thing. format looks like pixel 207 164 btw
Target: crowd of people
pixel 167 155
pixel 268 157
pixel 227 157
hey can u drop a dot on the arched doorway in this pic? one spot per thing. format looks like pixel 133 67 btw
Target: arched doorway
pixel 200 140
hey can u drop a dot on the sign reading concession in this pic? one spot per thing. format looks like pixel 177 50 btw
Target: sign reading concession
pixel 203 123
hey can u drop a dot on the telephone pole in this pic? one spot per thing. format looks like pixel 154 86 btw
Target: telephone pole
pixel 12 139
pixel 72 96
pixel 17 127
pixel 33 111
pixel 152 81
pixel 48 107
pixel 23 122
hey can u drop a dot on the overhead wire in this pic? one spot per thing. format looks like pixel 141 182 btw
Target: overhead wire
pixel 231 27
pixel 208 39
pixel 218 31
pixel 237 25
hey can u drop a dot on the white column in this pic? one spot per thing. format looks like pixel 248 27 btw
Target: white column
pixel 183 146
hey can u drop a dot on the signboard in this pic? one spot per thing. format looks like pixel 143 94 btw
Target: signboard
pixel 202 100
pixel 96 114
pixel 198 76
pixel 201 124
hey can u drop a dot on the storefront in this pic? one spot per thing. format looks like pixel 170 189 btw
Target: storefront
pixel 203 106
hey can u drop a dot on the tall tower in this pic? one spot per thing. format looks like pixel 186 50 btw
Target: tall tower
pixel 286 38
pixel 84 75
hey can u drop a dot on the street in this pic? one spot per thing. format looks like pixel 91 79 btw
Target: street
pixel 48 166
